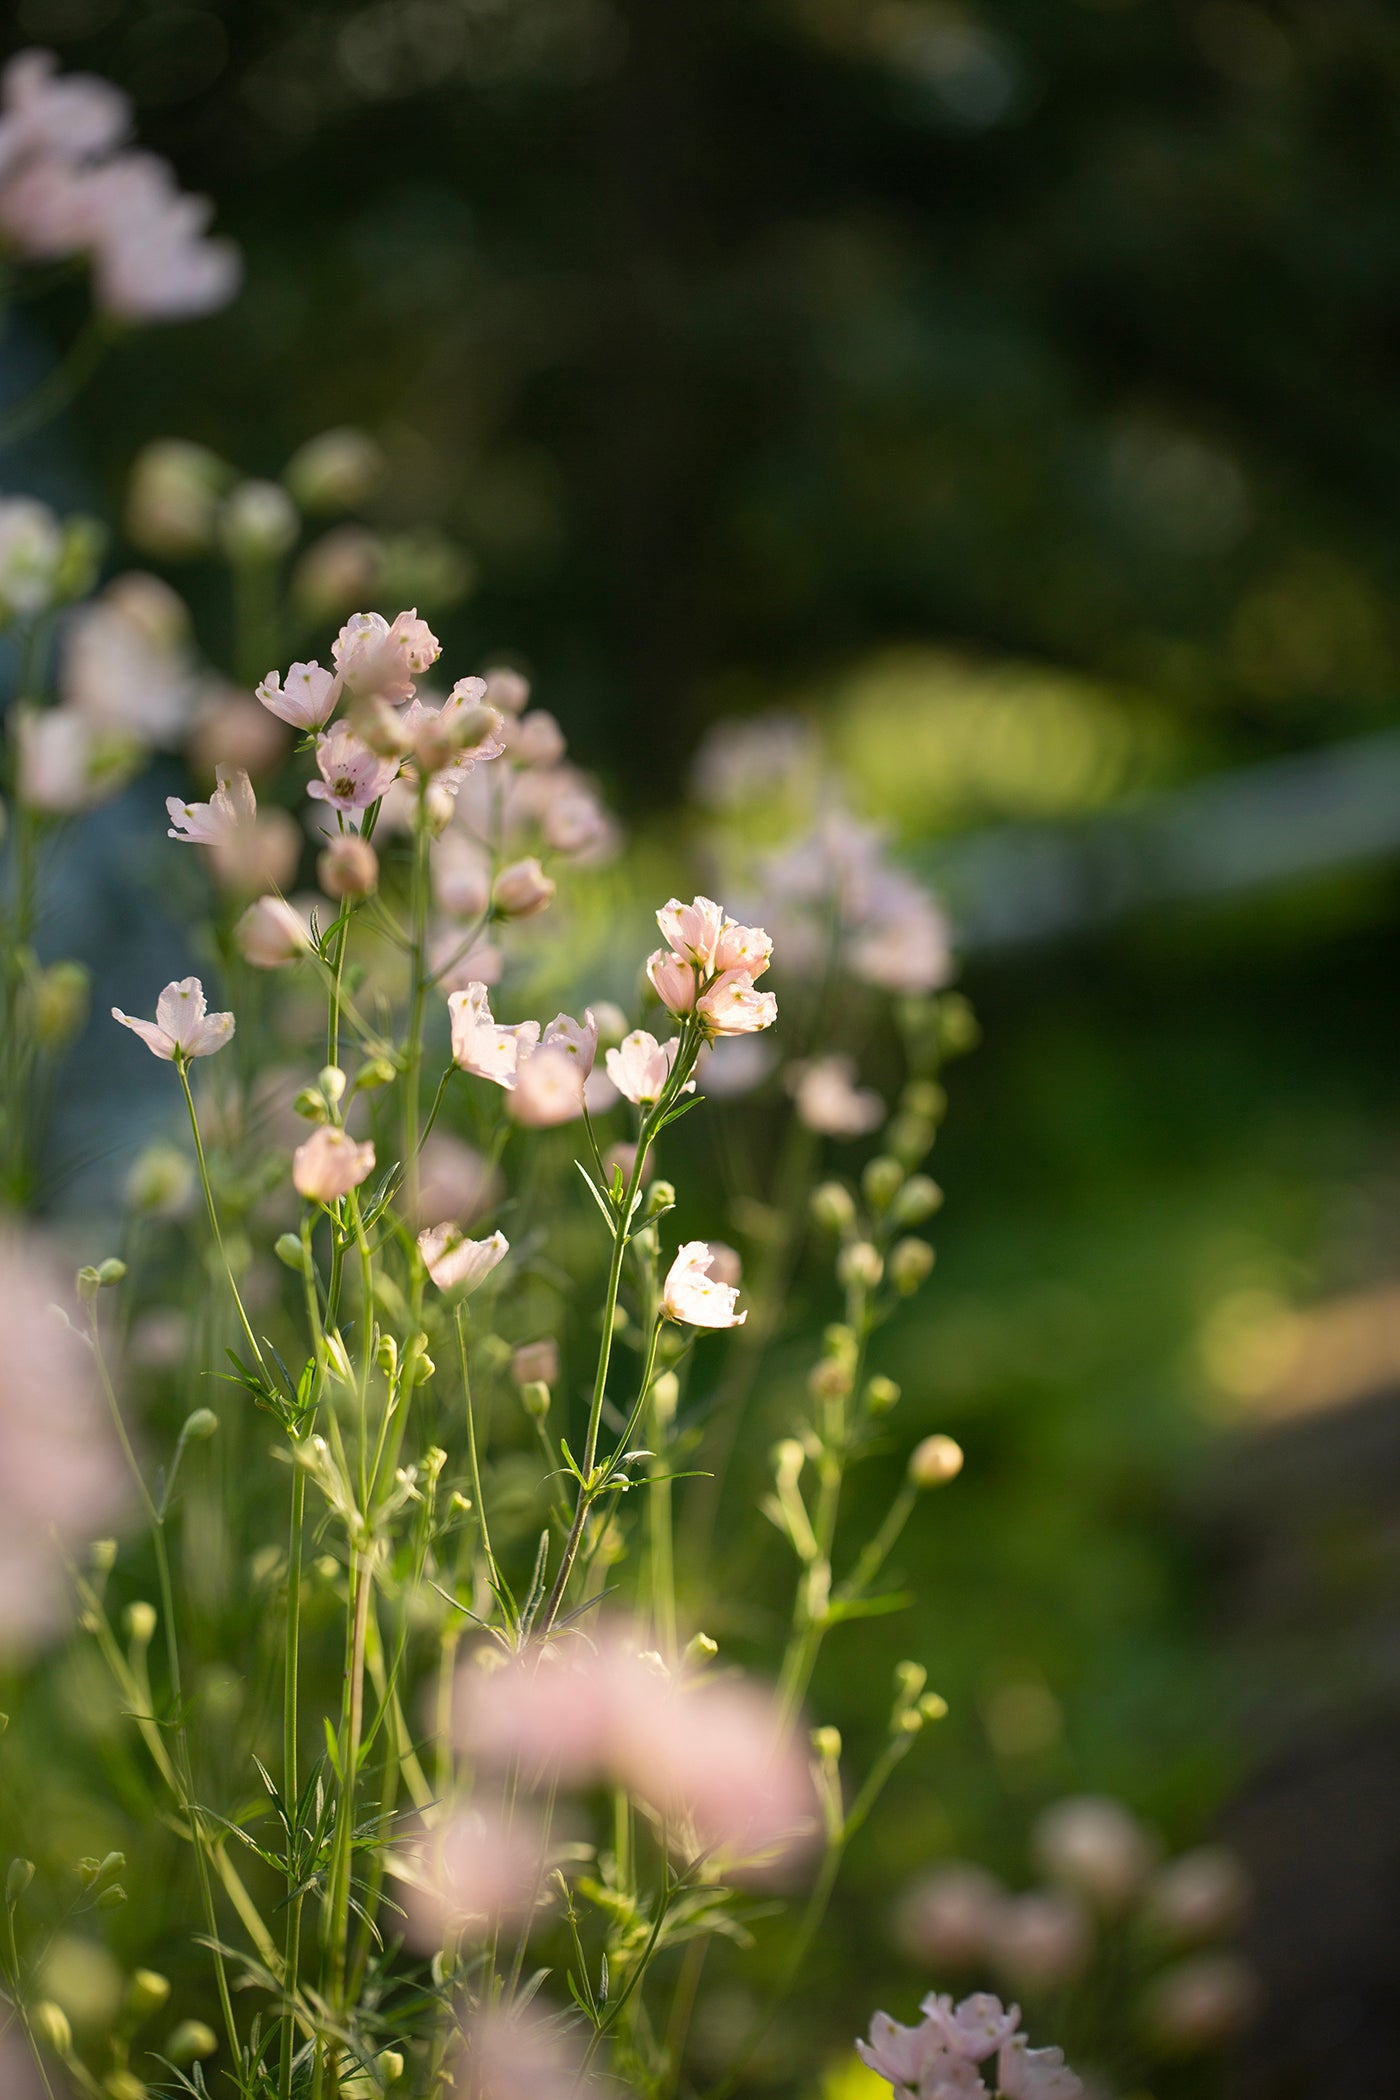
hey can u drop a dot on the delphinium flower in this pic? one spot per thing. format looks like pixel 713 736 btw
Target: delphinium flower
pixel 272 933
pixel 457 1263
pixel 938 2059
pixel 306 700
pixel 66 189
pixel 64 763
pixel 183 1027
pixel 709 968
pixel 477 1869
pixel 640 1066
pixel 352 775
pixel 126 660
pixel 518 2054
pixel 547 1069
pixel 247 847
pixel 329 1164
pixel 61 1474
pixel 694 1296
pixel 828 1099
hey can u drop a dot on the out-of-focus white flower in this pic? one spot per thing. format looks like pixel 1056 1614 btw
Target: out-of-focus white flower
pixel 457 1263
pixel 454 1180
pixel 949 1916
pixel 1198 1896
pixel 183 1026
pixel 336 470
pixel 829 1101
pixel 1200 2002
pixel 258 521
pixel 31 550
pixel 172 498
pixel 522 890
pixel 521 2056
pixel 61 1474
pixel 272 933
pixel 694 1296
pixel 1094 1845
pixel 64 762
pixel 537 739
pixel 125 661
pixel 330 1164
pixel 1041 1940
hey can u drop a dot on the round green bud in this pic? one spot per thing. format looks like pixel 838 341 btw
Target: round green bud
pixel 701 1648
pixel 331 1080
pixel 61 999
pixel 200 1426
pixel 310 1104
pixel 140 1621
pixel 190 2041
pixel 52 2026
pixel 104 1555
pixel 17 1880
pixel 881 1394
pixel 112 1898
pixel 827 1744
pixel 378 1072
pixel 919 1198
pixel 958 1029
pixel 911 1263
pixel 833 1207
pixel 290 1252
pixel 660 1197
pixel 926 1099
pixel 910 1137
pixel 881 1181
pixel 935 1462
pixel 534 1398
pixel 110 1272
pixel 860 1267
pixel 148 1992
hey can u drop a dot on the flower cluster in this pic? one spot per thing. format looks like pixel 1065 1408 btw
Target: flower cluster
pixel 68 187
pixel 709 967
pixel 938 2059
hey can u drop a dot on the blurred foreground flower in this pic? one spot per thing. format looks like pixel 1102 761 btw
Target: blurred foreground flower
pixel 61 1474
pixel 937 2060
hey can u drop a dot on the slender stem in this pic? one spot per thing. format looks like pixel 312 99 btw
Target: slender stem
pixel 15 1982
pixel 477 1495
pixel 290 1781
pixel 60 386
pixel 181 1066
pixel 413 1051
pixel 339 1924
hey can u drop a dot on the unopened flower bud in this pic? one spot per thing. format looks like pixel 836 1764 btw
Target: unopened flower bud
pixel 661 1197
pixel 909 1138
pixel 522 890
pixel 335 470
pixel 17 1880
pixel 310 1103
pixel 611 1022
pixel 172 498
pixel 839 1340
pixel 391 2064
pixel 881 1394
pixel 331 1080
pixel 257 522
pixel 665 1396
pixel 387 1355
pixel 104 1555
pixel 827 1744
pixel 911 1263
pixel 534 1398
pixel 508 690
pixel 377 1072
pixel 52 2026
pixel 89 1284
pixel 122 2084
pixel 788 1460
pixel 140 1621
pixel 859 1266
pixel 60 1002
pixel 200 1426
pixel 700 1648
pixel 917 1200
pixel 160 1182
pixel 148 1992
pixel 833 1207
pixel 881 1181
pixel 830 1379
pixel 958 1029
pixel 290 1252
pixel 112 1898
pixel 933 1706
pixel 925 1098
pixel 935 1462
pixel 110 1272
pixel 349 867
pixel 190 2041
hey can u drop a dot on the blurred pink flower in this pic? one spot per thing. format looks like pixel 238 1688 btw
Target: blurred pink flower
pixel 523 890
pixel 1024 2073
pixel 77 116
pixel 975 2028
pixel 182 1027
pixel 537 740
pixel 457 969
pixel 1201 2002
pixel 575 822
pixel 454 1180
pixel 731 1006
pixel 456 1263
pixel 308 699
pixel 65 763
pixel 640 1066
pixel 1094 1845
pixel 375 656
pixel 673 981
pixel 477 1871
pixel 693 1297
pixel 536 1362
pixel 461 874
pixel 506 689
pixel 61 1473
pixel 228 725
pixel 352 776
pixel 905 943
pixel 348 867
pixel 829 1101
pixel 949 1916
pixel 330 1164
pixel 232 804
pixel 1198 1896
pixel 519 2055
pixel 1041 1940
pixel 126 663
pixel 733 1066
pixel 272 933
pixel 548 1088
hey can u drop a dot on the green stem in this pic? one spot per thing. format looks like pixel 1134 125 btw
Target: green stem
pixel 473 1453
pixel 182 1067
pixel 290 1781
pixel 62 385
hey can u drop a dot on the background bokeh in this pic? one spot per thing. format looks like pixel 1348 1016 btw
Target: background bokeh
pixel 1011 387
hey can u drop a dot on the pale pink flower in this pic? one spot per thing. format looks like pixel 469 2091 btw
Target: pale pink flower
pixel 536 1362
pixel 599 1093
pixel 228 725
pixel 693 930
pixel 272 933
pixel 577 1040
pixel 1200 2002
pixel 906 943
pixel 974 2029
pixel 307 700
pixel 693 1297
pixel 330 1164
pixel 61 1474
pixel 154 263
pixel 548 1089
pixel 352 776
pixel 232 803
pixel 537 740
pixel 31 551
pixel 1024 2073
pixel 258 855
pixel 621 1158
pixel 726 1264
pixel 456 1263
pixel 640 1067
pixel 479 1870
pixel 480 1045
pixel 461 873
pixel 77 116
pixel 522 890
pixel 448 741
pixel 519 2055
pixel 1041 1940
pixel 376 657
pixel 349 866
pixel 734 1066
pixel 1198 1896
pixel 126 663
pixel 454 1180
pixel 731 1006
pixel 1094 1845
pixel 507 690
pixel 745 948
pixel 575 822
pixel 948 1918
pixel 183 1026
pixel 673 981
pixel 65 763
pixel 898 2053
pixel 828 1101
